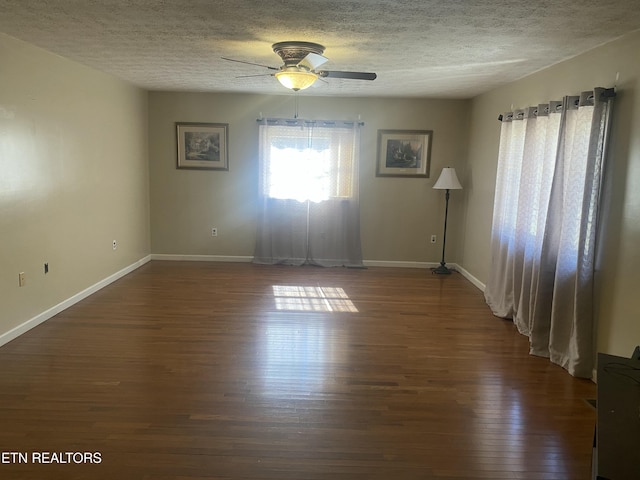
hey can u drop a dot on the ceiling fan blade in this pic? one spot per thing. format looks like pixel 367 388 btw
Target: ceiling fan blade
pixel 249 63
pixel 352 75
pixel 313 61
pixel 257 75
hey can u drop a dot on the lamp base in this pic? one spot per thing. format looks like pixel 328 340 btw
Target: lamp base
pixel 441 270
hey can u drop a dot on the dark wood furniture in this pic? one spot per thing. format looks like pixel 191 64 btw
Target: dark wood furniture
pixel 617 449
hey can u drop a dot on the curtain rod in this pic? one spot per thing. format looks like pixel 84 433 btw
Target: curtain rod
pixel 606 93
pixel 297 121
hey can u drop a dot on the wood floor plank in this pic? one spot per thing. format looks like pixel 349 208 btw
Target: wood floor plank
pixel 186 370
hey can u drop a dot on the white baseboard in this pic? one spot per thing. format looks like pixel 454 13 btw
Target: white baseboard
pixel 471 278
pixel 400 264
pixel 366 263
pixel 200 258
pixel 249 259
pixel 47 314
pixel 426 265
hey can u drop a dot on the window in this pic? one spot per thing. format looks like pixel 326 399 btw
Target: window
pixel 308 161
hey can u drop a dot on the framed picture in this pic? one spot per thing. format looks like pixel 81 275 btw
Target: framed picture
pixel 203 146
pixel 404 153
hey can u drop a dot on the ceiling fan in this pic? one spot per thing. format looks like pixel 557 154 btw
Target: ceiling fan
pixel 300 68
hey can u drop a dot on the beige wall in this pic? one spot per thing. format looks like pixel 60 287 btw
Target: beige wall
pixel 73 177
pixel 398 215
pixel 618 275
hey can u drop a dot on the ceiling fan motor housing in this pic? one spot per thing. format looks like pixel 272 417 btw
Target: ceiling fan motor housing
pixel 292 53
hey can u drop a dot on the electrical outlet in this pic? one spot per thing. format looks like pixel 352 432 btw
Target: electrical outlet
pixel 214 232
pixel 433 239
pixel 115 244
pixel 22 280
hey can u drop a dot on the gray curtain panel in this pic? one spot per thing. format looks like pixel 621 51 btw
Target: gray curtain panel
pixel 544 227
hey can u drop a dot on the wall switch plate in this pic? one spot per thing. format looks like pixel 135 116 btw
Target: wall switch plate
pixel 22 280
pixel 46 267
pixel 214 232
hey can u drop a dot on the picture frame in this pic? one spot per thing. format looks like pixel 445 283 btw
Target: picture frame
pixel 203 146
pixel 404 153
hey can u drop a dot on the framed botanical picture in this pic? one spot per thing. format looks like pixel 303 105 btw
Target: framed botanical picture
pixel 203 146
pixel 404 153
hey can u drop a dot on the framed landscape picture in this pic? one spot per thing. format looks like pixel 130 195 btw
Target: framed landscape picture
pixel 404 153
pixel 203 146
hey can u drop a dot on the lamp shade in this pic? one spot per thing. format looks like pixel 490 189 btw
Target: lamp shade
pixel 448 180
pixel 296 79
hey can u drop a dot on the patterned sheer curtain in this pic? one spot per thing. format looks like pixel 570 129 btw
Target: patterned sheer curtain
pixel 544 227
pixel 308 191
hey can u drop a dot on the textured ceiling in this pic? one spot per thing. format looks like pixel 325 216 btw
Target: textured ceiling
pixel 418 48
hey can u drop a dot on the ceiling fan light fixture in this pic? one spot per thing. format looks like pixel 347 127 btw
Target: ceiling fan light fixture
pixel 295 78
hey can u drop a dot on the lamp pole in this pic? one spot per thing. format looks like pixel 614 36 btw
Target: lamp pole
pixel 442 269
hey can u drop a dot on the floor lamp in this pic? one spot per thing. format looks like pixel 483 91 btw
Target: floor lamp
pixel 448 181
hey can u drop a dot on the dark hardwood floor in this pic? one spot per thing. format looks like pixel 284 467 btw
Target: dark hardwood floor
pixel 239 371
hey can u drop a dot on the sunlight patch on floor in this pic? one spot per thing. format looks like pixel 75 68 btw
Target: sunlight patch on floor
pixel 312 299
